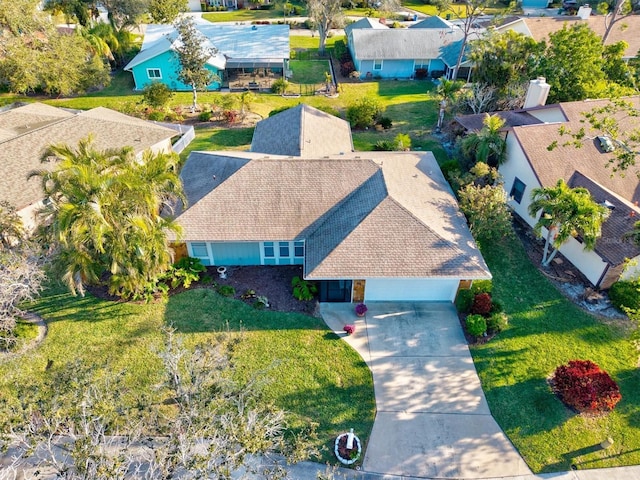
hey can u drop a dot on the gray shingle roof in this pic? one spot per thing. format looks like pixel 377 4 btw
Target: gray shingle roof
pixel 365 22
pixel 302 131
pixel 20 154
pixel 385 214
pixel 404 43
pixel 433 22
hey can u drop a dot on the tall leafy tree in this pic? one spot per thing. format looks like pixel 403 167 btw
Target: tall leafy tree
pixel 193 56
pixel 125 13
pixel 166 11
pixel 485 207
pixel 566 212
pixel 73 10
pixel 504 60
pixel 34 56
pixel 488 145
pixel 467 17
pixel 447 90
pixel 104 215
pixel 325 14
pixel 571 79
pixel 613 11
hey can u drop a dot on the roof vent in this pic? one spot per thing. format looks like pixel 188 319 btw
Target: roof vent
pixel 608 204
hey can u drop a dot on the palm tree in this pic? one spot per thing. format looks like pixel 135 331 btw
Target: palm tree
pixel 447 90
pixel 634 235
pixel 104 212
pixel 488 145
pixel 566 212
pixel 11 228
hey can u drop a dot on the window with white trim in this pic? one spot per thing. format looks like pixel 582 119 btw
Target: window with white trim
pixel 517 190
pixel 377 64
pixel 283 249
pixel 422 63
pixel 269 250
pixel 154 73
pixel 199 250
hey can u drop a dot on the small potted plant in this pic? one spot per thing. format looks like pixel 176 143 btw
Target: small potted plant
pixel 347 448
pixel 349 329
pixel 361 309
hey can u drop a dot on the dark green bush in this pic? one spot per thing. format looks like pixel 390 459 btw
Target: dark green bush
pixel 157 116
pixel 384 146
pixel 279 86
pixel 303 289
pixel 624 295
pixel 156 94
pixel 385 122
pixel 339 48
pixel 226 290
pixel 364 112
pixel 205 116
pixel 464 300
pixel 449 167
pixel 476 325
pixel 497 322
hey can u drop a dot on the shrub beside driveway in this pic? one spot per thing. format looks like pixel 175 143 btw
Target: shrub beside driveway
pixel 547 330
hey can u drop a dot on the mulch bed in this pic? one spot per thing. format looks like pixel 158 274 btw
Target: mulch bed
pixel 273 282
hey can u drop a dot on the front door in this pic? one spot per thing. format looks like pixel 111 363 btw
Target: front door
pixel 335 290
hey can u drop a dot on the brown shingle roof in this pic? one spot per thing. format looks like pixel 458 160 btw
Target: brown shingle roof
pixel 626 29
pixel 564 161
pixel 473 123
pixel 611 245
pixel 389 214
pixel 302 131
pixel 20 154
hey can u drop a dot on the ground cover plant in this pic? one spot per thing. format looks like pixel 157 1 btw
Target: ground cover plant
pixel 306 369
pixel 546 330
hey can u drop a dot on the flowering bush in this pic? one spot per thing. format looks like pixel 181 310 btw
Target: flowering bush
pixel 584 386
pixel 361 309
pixel 481 304
pixel 349 329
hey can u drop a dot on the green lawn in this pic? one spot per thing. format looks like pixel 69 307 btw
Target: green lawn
pixel 546 331
pixel 309 71
pixel 309 371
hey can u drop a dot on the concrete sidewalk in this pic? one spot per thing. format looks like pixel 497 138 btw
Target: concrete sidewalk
pixel 432 418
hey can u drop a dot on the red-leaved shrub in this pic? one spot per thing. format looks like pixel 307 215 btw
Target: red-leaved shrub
pixel 585 387
pixel 481 304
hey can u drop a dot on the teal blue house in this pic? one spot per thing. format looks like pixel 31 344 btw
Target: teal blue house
pixel 429 48
pixel 237 49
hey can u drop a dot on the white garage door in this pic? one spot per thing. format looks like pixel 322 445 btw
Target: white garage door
pixel 414 289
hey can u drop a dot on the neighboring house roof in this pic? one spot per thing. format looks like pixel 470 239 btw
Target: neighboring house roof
pixel 366 22
pixel 626 29
pixel 235 44
pixel 587 167
pixel 563 161
pixel 405 43
pixel 302 131
pixel 36 126
pixel 433 22
pixel 474 123
pixel 386 214
pixel 613 249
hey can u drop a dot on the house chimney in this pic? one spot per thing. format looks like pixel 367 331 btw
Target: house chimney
pixel 584 12
pixel 537 93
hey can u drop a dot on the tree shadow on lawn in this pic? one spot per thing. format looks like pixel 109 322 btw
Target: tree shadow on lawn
pixel 56 306
pixel 337 409
pixel 203 310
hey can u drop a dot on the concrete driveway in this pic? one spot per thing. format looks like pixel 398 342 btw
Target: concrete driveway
pixel 432 417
